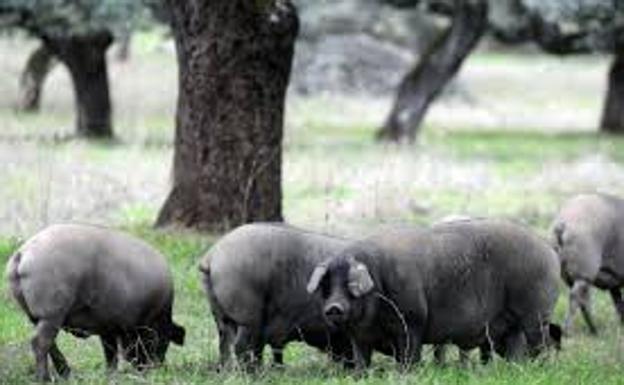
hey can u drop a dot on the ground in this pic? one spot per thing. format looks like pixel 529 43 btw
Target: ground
pixel 518 140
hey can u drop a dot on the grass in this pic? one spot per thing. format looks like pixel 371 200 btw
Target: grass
pixel 514 153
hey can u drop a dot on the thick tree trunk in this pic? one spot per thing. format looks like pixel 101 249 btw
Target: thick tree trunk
pixel 39 64
pixel 234 59
pixel 435 69
pixel 613 115
pixel 85 57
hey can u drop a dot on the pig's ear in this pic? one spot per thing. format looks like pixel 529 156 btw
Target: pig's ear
pixel 360 280
pixel 177 334
pixel 316 277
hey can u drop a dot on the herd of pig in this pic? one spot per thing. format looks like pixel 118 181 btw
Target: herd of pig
pixel 474 283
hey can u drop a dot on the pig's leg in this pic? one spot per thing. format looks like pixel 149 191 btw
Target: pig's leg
pixel 589 319
pixel 439 354
pixel 362 353
pixel 45 333
pixel 227 332
pixel 616 296
pixel 536 334
pixel 580 297
pixel 59 361
pixel 409 348
pixel 485 353
pixel 248 347
pixel 278 355
pixel 111 352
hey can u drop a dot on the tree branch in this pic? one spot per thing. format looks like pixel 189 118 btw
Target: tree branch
pixel 550 38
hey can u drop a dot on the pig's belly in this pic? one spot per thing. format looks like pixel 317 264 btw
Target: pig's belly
pixel 85 321
pixel 464 324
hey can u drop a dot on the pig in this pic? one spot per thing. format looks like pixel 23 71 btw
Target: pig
pixel 255 280
pixel 588 235
pixel 89 280
pixel 508 347
pixel 467 283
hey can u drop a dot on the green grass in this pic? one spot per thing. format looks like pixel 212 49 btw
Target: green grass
pixel 522 146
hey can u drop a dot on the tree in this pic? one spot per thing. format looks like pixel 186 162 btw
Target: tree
pixel 39 64
pixel 558 27
pixel 85 58
pixel 234 62
pixel 612 120
pixel 78 33
pixel 585 26
pixel 436 67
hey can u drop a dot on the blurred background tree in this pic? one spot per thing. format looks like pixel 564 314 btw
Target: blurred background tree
pixel 559 27
pixel 39 64
pixel 584 26
pixel 437 65
pixel 78 33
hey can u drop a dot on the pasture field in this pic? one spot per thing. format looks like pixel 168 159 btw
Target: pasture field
pixel 505 149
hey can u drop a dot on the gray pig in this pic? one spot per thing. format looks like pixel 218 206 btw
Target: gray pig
pixel 90 280
pixel 465 283
pixel 255 279
pixel 589 238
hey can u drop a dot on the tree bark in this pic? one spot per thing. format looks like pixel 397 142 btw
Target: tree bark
pixel 85 57
pixel 435 69
pixel 39 64
pixel 612 121
pixel 234 59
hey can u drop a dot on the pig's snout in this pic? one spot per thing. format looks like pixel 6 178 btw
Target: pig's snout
pixel 335 313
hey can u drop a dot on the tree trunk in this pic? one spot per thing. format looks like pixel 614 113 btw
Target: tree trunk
pixel 39 64
pixel 234 59
pixel 613 115
pixel 85 57
pixel 435 69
